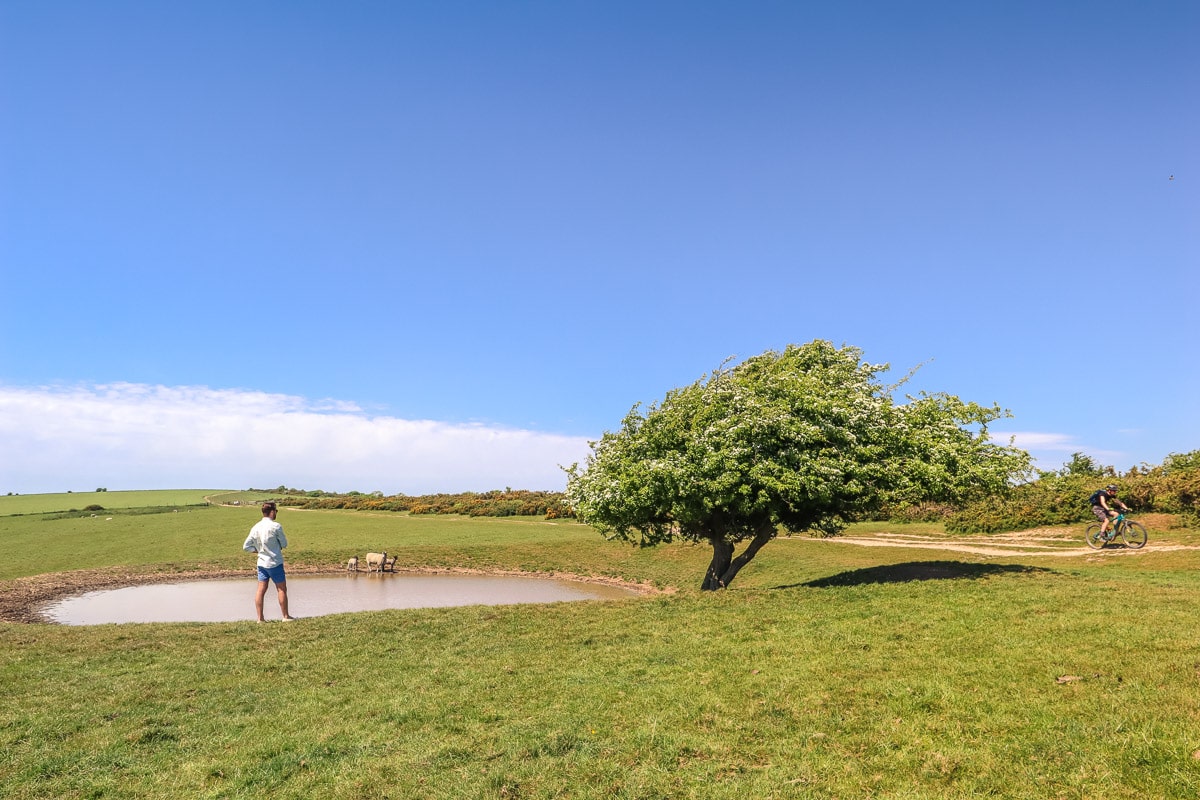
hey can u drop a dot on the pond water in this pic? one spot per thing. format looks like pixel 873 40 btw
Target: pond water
pixel 229 600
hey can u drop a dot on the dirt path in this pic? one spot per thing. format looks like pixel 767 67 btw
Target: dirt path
pixel 979 550
pixel 1050 542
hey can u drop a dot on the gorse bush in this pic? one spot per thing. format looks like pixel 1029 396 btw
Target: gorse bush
pixel 918 512
pixel 1050 500
pixel 1173 487
pixel 507 503
pixel 493 504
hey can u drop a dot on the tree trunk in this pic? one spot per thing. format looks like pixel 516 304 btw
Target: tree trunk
pixel 724 567
pixel 722 558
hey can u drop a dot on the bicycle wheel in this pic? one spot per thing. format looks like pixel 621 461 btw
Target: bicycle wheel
pixel 1134 535
pixel 1093 537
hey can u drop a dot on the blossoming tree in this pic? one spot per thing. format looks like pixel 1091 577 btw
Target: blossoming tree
pixel 793 441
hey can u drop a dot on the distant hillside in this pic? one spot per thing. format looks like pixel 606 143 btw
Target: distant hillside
pixel 14 504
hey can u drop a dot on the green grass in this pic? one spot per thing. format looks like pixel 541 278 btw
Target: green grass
pixel 827 670
pixel 210 537
pixel 65 501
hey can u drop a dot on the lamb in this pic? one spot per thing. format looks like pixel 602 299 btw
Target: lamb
pixel 352 564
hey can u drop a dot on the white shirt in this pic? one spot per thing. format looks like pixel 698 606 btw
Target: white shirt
pixel 267 538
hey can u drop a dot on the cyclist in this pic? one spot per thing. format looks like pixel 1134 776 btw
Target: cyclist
pixel 1102 501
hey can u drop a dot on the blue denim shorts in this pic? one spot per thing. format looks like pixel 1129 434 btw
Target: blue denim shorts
pixel 272 574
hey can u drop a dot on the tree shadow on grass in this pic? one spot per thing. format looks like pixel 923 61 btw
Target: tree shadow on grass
pixel 917 571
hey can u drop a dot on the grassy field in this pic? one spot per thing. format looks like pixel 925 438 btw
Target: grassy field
pixel 65 501
pixel 830 669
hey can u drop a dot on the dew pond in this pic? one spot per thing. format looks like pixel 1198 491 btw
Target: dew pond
pixel 230 600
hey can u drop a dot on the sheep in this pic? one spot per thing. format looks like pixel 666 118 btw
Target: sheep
pixel 352 564
pixel 375 561
pixel 389 564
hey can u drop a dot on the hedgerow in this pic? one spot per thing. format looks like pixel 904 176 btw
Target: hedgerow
pixel 1060 497
pixel 506 503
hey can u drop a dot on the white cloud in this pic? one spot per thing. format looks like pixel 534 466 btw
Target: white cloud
pixel 136 436
pixel 1052 450
pixel 1029 440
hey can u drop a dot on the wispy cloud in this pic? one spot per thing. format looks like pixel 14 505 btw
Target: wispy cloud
pixel 137 436
pixel 1052 450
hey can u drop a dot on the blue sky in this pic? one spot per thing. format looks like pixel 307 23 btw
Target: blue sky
pixel 422 246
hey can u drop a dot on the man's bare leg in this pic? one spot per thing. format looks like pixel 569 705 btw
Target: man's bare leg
pixel 281 590
pixel 258 599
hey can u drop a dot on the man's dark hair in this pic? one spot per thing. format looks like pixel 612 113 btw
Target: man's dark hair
pixel 268 507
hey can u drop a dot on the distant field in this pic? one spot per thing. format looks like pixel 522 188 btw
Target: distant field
pixel 65 501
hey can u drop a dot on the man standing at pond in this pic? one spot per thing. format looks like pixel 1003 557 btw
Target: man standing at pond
pixel 267 540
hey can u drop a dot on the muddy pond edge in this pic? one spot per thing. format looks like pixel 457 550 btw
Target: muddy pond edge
pixel 23 600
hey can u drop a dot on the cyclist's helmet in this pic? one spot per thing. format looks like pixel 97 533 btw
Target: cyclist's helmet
pixel 1111 488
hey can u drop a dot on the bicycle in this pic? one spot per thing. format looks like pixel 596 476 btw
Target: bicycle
pixel 1132 533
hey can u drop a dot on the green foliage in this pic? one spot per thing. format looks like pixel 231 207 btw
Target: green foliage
pixel 1052 499
pixel 802 440
pixel 917 512
pixel 1083 465
pixel 1059 497
pixel 507 503
pixel 1181 462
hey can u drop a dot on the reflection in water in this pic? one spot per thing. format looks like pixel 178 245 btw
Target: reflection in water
pixel 314 596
